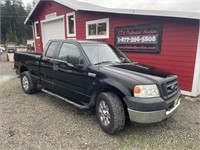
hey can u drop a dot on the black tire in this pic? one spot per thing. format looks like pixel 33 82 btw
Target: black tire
pixel 112 119
pixel 27 84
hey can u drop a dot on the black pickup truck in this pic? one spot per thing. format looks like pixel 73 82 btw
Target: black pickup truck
pixel 94 74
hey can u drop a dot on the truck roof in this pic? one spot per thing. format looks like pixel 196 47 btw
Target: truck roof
pixel 78 41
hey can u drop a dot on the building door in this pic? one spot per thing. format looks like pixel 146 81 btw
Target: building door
pixel 53 29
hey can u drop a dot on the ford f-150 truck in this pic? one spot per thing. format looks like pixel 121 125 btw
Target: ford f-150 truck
pixel 94 74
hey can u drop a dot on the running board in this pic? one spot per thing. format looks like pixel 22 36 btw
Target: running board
pixel 70 102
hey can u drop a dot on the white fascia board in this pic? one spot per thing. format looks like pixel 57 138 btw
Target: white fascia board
pixel 191 15
pixel 67 4
pixel 174 14
pixel 30 14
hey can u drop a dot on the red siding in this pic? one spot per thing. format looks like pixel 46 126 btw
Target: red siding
pixel 179 42
pixel 37 42
pixel 178 51
pixel 179 39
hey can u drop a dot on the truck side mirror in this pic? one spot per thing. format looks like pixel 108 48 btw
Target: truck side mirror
pixel 74 60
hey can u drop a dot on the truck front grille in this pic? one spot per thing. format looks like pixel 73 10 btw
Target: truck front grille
pixel 170 88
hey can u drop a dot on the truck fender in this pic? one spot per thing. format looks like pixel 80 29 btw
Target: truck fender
pixel 108 85
pixel 22 68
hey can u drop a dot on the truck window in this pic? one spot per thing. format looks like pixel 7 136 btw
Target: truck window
pixel 68 49
pixel 51 49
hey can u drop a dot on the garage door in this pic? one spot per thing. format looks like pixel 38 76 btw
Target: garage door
pixel 53 30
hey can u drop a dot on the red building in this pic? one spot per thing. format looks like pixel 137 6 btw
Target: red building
pixel 168 40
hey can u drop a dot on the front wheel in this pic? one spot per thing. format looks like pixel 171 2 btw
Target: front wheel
pixel 110 112
pixel 27 84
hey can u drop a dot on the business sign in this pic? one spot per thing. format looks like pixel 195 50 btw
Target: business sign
pixel 139 39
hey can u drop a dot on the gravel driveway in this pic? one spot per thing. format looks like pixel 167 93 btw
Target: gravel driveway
pixel 40 121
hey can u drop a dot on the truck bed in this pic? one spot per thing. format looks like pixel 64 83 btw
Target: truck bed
pixel 29 59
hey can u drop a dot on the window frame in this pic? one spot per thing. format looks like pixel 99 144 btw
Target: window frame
pixel 57 57
pixel 45 54
pixel 105 20
pixel 36 31
pixel 67 20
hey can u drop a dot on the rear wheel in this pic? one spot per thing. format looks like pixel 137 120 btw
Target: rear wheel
pixel 27 84
pixel 110 112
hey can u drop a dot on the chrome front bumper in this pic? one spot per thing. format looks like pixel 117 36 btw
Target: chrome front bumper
pixel 152 116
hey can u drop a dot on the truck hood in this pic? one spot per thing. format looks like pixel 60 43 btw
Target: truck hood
pixel 145 72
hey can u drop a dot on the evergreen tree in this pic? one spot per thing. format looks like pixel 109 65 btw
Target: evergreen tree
pixel 30 5
pixel 13 15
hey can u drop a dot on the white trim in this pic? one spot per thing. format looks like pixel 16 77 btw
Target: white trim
pixel 49 20
pixel 73 38
pixel 53 19
pixel 67 15
pixel 196 77
pixel 30 14
pixel 36 35
pixel 33 30
pixel 51 15
pixel 189 93
pixel 106 20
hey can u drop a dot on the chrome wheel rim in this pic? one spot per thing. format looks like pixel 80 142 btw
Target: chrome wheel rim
pixel 104 113
pixel 25 83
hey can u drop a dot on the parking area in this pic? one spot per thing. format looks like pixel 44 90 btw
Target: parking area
pixel 40 121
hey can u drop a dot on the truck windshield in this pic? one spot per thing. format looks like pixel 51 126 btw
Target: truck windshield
pixel 103 53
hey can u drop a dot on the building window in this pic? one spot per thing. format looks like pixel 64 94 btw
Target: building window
pixel 97 29
pixel 37 31
pixel 71 24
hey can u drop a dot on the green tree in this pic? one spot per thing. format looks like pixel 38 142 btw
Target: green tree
pixel 13 15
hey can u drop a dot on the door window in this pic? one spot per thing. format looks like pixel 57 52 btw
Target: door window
pixel 68 49
pixel 51 49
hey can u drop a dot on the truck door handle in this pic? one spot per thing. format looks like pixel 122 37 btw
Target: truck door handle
pixel 47 59
pixel 55 67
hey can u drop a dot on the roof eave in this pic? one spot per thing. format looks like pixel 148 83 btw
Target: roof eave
pixel 30 14
pixel 173 14
pixel 68 5
pixel 159 13
pixel 27 21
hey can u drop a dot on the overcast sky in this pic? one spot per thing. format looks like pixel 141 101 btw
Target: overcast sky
pixel 176 5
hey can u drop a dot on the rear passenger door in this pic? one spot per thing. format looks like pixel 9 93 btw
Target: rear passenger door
pixel 46 66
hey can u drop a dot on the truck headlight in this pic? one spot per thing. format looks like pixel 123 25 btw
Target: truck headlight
pixel 146 91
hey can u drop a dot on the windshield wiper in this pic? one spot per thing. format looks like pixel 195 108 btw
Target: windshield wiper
pixel 105 62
